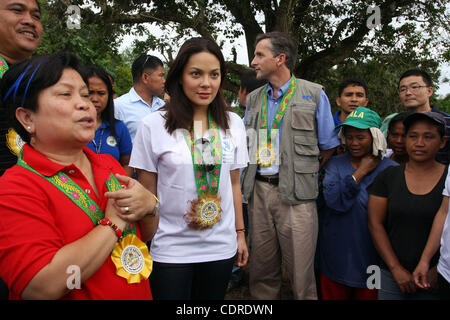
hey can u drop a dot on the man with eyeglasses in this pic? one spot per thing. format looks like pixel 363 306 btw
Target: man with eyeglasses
pixel 415 89
pixel 142 99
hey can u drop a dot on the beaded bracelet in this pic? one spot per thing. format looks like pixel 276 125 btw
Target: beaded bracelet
pixel 240 230
pixel 107 222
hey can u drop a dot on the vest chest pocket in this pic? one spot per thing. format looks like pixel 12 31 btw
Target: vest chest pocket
pixel 303 118
pixel 306 146
pixel 306 180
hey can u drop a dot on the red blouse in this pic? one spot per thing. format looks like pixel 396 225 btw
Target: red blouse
pixel 36 220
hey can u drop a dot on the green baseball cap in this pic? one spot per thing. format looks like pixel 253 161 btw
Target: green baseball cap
pixel 362 118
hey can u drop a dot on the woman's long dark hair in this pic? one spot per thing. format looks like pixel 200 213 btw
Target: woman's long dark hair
pixel 107 114
pixel 179 109
pixel 22 83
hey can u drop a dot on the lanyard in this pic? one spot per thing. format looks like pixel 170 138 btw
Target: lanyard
pixel 281 109
pixel 99 147
pixel 201 180
pixel 75 193
pixel 3 67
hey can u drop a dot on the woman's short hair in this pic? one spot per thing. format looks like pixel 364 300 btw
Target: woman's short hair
pixel 22 83
pixel 179 109
pixel 91 71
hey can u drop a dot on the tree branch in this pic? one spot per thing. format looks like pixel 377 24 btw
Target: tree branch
pixel 244 14
pixel 310 67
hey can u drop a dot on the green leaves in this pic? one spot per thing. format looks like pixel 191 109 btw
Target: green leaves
pixel 330 34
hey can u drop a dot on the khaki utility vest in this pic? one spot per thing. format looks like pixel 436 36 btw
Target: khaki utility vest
pixel 299 151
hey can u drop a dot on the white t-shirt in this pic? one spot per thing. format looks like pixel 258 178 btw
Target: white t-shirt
pixel 444 260
pixel 155 150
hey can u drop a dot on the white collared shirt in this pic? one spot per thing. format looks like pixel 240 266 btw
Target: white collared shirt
pixel 130 108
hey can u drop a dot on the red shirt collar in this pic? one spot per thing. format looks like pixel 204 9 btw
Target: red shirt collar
pixel 48 168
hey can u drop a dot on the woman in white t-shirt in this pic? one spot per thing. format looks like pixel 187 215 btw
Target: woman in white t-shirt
pixel 439 235
pixel 190 153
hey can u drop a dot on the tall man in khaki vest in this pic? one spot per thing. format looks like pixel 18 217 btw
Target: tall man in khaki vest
pixel 281 181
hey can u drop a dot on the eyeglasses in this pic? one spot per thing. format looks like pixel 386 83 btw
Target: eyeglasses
pixel 204 146
pixel 413 88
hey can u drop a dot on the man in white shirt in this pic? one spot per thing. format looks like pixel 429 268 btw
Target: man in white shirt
pixel 142 99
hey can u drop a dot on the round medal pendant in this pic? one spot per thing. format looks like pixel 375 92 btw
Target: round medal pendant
pixel 132 259
pixel 204 212
pixel 209 212
pixel 111 141
pixel 266 156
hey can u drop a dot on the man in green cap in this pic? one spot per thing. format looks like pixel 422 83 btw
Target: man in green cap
pixel 346 249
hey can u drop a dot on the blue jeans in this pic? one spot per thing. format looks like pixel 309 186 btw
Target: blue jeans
pixel 391 291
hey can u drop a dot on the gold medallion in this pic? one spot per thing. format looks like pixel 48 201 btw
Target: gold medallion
pixel 132 260
pixel 14 141
pixel 204 213
pixel 208 212
pixel 266 155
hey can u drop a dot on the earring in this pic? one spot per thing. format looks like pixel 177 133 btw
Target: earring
pixel 29 128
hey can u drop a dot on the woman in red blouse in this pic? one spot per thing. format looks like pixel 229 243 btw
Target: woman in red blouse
pixel 71 220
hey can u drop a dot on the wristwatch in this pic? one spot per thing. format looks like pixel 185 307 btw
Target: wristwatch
pixel 157 207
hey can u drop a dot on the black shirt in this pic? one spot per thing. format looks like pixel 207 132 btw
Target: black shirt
pixel 409 216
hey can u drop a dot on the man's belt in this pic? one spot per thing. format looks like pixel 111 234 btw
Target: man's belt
pixel 273 179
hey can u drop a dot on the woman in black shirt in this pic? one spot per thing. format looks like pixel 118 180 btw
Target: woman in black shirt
pixel 402 204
